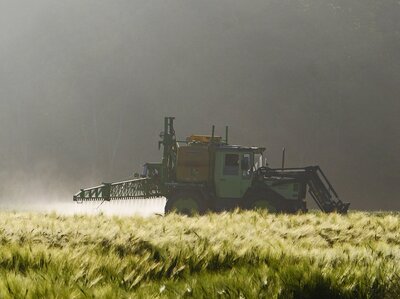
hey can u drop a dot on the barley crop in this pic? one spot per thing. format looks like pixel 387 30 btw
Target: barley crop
pixel 250 254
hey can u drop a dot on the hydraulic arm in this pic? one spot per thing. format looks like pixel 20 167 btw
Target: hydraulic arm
pixel 318 185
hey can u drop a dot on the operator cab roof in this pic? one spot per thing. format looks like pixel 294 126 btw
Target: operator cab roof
pixel 235 148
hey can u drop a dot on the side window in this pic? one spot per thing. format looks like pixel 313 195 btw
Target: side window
pixel 246 165
pixel 231 164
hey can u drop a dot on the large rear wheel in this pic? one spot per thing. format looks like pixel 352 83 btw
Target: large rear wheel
pixel 186 203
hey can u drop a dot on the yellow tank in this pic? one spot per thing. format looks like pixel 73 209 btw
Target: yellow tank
pixel 192 164
pixel 203 138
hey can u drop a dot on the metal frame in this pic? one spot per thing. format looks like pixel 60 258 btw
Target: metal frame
pixel 318 184
pixel 130 189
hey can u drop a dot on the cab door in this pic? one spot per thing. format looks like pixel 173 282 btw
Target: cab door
pixel 227 174
pixel 232 173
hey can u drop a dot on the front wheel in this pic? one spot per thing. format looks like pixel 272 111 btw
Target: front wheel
pixel 186 203
pixel 261 199
pixel 262 204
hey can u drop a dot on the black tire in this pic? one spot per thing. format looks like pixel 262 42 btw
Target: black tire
pixel 262 199
pixel 186 203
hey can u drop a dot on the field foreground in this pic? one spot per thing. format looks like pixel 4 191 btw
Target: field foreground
pixel 229 255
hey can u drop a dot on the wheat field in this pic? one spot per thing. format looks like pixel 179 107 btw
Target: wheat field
pixel 238 254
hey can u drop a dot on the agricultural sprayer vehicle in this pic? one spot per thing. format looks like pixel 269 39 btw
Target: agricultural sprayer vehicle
pixel 206 173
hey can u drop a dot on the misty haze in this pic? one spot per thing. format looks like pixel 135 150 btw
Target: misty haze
pixel 84 87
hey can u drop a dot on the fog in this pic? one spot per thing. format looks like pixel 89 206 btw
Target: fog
pixel 84 87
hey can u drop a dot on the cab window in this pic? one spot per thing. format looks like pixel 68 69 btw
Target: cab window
pixel 231 164
pixel 246 166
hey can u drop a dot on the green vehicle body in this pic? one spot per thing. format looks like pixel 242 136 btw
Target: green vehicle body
pixel 205 173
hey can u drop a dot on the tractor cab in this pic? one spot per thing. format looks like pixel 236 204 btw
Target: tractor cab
pixel 233 170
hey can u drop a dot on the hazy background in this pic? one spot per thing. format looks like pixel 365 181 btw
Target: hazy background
pixel 84 86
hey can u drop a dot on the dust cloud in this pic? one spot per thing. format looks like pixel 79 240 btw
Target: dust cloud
pixel 84 86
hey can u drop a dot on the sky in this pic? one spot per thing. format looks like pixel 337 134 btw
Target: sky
pixel 84 87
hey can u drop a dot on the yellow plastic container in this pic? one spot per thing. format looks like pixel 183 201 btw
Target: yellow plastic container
pixel 203 138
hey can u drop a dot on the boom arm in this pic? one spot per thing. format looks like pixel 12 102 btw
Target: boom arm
pixel 130 189
pixel 148 187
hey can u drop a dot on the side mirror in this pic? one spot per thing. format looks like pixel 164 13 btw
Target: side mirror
pixel 245 163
